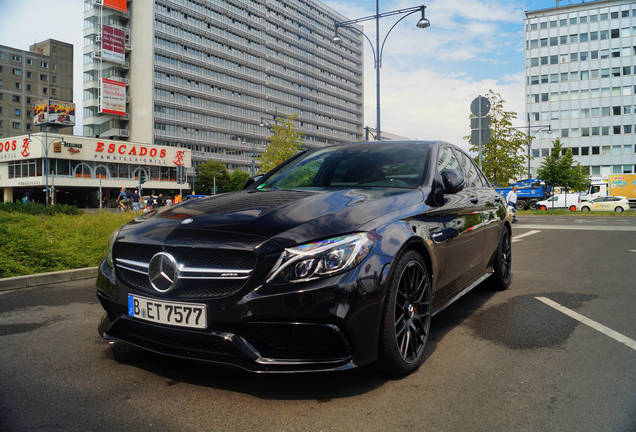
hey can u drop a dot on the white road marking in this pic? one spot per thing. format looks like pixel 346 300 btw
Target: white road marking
pixel 580 228
pixel 520 236
pixel 591 323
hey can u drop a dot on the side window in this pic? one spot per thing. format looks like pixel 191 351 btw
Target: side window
pixel 446 160
pixel 470 173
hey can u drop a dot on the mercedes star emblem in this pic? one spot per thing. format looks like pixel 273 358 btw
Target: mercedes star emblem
pixel 163 272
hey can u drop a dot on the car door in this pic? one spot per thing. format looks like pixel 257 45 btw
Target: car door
pixel 485 200
pixel 458 239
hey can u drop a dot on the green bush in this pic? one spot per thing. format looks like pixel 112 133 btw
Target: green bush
pixel 40 243
pixel 38 209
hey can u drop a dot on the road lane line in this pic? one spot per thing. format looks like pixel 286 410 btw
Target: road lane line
pixel 578 227
pixel 520 236
pixel 591 323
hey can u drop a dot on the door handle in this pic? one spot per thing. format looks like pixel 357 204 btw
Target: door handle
pixel 474 200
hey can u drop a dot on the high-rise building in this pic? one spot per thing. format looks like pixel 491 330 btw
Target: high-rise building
pixel 580 67
pixel 43 72
pixel 212 75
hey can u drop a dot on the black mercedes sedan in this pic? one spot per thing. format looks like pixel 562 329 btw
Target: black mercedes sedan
pixel 337 258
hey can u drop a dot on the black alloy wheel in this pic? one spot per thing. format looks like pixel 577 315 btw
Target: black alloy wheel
pixel 502 276
pixel 407 316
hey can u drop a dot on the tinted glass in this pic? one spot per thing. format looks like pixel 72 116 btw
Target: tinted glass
pixel 446 160
pixel 369 166
pixel 470 173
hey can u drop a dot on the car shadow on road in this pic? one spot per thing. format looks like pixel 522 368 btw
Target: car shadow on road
pixel 317 386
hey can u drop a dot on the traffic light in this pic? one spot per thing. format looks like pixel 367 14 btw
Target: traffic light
pixel 142 177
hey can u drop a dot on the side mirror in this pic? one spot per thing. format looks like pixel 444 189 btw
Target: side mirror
pixel 453 180
pixel 250 181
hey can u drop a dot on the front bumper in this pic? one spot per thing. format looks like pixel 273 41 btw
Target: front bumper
pixel 325 325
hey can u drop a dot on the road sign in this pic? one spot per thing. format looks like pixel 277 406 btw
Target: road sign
pixel 480 106
pixel 480 123
pixel 479 137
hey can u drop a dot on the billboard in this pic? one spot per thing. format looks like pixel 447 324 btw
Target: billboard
pixel 119 5
pixel 113 40
pixel 54 112
pixel 113 97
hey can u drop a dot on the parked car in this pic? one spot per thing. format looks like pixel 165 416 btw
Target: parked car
pixel 335 259
pixel 606 203
pixel 559 201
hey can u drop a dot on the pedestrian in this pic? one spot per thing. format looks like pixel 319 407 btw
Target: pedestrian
pixel 160 201
pixel 135 200
pixel 512 202
pixel 25 198
pixel 149 203
pixel 122 199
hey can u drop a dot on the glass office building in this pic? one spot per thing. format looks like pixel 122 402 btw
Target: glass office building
pixel 211 75
pixel 580 67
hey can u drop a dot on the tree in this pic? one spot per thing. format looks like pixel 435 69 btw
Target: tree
pixel 504 157
pixel 238 179
pixel 559 169
pixel 284 143
pixel 209 173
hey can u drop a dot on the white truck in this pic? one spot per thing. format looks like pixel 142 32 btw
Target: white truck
pixel 563 200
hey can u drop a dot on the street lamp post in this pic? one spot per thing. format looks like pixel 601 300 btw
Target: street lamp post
pixel 423 23
pixel 528 127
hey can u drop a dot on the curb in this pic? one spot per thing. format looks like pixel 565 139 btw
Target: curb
pixel 39 279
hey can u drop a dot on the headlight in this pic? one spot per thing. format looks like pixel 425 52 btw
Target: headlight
pixel 111 242
pixel 320 259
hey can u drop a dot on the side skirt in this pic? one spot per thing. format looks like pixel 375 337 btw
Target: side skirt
pixel 462 292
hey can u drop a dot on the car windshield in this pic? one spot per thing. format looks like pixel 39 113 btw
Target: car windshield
pixel 361 166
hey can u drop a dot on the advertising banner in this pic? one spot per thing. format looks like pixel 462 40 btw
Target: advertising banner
pixel 54 112
pixel 92 149
pixel 113 40
pixel 119 5
pixel 113 97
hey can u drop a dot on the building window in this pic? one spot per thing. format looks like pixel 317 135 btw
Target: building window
pixel 604 34
pixel 625 13
pixel 16 58
pixel 596 131
pixel 575 151
pixel 44 90
pixel 564 133
pixel 17 112
pixel 16 125
pixel 44 64
pixel 585 151
pixel 16 72
pixel 583 37
pixel 554 41
pixel 543 25
pixel 574 38
pixel 544 42
pixel 616 130
pixel 615 33
pixel 627 129
pixel 28 87
pixel 29 61
pixel 43 77
pixel 53 92
pixel 15 98
pixel 614 15
pixel 18 85
pixel 28 74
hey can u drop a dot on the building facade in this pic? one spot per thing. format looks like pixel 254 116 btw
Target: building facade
pixel 81 168
pixel 212 75
pixel 43 72
pixel 580 67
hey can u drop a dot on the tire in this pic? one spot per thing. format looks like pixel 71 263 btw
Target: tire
pixel 544 208
pixel 522 205
pixel 618 209
pixel 406 320
pixel 532 204
pixel 502 277
pixel 585 209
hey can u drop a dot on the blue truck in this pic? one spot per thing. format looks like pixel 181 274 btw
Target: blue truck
pixel 528 192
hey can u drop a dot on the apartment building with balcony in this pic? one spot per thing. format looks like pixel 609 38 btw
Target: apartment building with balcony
pixel 580 67
pixel 211 75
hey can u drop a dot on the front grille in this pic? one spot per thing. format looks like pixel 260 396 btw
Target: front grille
pixel 204 273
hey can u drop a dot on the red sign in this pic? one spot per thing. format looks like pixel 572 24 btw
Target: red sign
pixel 130 149
pixel 113 40
pixel 119 5
pixel 113 97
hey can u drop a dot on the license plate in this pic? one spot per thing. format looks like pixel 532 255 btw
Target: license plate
pixel 166 312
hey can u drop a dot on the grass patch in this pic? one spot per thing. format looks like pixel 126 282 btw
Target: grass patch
pixel 35 244
pixel 38 209
pixel 565 212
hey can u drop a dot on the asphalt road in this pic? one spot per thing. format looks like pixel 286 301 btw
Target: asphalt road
pixel 497 361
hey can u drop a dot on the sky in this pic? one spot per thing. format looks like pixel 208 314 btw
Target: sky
pixel 428 76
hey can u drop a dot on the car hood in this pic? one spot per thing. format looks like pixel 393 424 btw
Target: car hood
pixel 287 217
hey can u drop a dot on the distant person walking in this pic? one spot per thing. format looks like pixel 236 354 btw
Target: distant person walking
pixel 160 201
pixel 123 199
pixel 512 202
pixel 135 200
pixel 25 198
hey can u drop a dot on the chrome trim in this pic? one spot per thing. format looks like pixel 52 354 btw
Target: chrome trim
pixel 185 269
pixel 131 262
pixel 213 277
pixel 464 291
pixel 132 269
